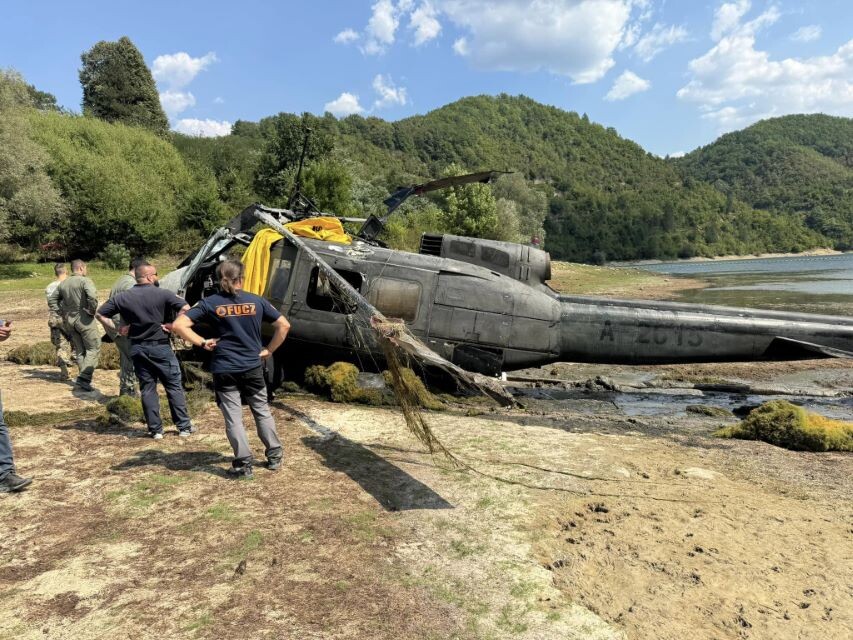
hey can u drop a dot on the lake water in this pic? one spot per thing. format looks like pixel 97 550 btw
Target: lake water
pixel 812 284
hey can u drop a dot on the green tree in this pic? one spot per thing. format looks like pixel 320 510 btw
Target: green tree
pixel 470 209
pixel 32 211
pixel 118 86
pixel 285 134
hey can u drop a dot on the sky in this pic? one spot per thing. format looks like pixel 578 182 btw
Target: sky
pixel 671 75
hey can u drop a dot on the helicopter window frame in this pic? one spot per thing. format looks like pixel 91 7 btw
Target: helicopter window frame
pixel 396 297
pixel 321 296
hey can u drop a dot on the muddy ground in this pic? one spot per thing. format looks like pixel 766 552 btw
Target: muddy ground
pixel 572 518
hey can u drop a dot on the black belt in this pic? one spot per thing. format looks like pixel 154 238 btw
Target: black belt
pixel 163 341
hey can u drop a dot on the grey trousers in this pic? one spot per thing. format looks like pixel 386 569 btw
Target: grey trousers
pixel 250 385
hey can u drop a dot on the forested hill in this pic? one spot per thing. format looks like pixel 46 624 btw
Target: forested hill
pixel 607 197
pixel 113 182
pixel 794 164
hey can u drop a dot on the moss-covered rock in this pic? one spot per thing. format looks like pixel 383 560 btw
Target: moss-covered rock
pixel 33 354
pixel 340 382
pixel 707 410
pixel 126 408
pixel 786 425
pixel 44 353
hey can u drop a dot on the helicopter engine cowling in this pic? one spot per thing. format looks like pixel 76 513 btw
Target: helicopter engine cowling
pixel 520 262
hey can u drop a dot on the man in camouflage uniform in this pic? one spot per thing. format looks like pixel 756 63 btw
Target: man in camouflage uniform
pixel 76 300
pixel 127 376
pixel 58 337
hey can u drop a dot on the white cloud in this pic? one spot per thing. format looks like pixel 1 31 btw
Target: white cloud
pixel 574 38
pixel 735 83
pixel 382 26
pixel 727 16
pixel 658 39
pixel 203 128
pixel 177 70
pixel 347 36
pixel 345 105
pixel 389 93
pixel 175 102
pixel 219 100
pixel 425 23
pixel 460 47
pixel 677 154
pixel 807 34
pixel 626 85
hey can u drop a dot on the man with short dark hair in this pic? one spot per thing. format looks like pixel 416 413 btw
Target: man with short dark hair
pixel 126 376
pixel 76 300
pixel 58 338
pixel 9 480
pixel 144 307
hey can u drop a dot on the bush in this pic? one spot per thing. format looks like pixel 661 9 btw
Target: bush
pixel 786 425
pixel 115 256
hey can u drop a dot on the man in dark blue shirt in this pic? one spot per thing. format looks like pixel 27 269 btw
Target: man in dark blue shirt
pixel 236 317
pixel 144 308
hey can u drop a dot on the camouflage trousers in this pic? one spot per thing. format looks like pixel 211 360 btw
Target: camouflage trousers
pixel 126 375
pixel 64 355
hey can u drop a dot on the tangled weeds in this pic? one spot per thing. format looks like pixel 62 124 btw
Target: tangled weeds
pixel 786 425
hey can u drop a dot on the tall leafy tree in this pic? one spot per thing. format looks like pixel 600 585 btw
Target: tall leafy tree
pixel 118 86
pixel 32 211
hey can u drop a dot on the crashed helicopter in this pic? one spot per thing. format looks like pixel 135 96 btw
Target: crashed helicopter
pixel 483 305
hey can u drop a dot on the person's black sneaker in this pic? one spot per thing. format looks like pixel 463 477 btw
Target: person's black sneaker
pixel 14 482
pixel 243 472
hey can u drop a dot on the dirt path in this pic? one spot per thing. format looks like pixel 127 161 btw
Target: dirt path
pixel 574 521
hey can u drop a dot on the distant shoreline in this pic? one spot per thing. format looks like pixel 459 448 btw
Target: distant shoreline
pixel 752 256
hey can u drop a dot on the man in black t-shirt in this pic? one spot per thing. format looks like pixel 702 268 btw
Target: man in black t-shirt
pixel 144 307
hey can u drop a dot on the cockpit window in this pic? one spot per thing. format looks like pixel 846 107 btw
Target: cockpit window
pixel 324 296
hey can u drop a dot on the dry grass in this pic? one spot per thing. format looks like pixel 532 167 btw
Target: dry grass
pixel 786 425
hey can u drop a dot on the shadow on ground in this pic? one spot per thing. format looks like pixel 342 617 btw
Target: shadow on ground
pixel 202 461
pixel 389 485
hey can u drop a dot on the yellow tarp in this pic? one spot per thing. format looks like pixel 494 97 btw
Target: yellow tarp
pixel 329 229
pixel 256 259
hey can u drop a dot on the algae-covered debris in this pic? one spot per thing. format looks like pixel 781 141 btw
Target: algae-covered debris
pixel 786 425
pixel 707 410
pixel 340 381
pixel 44 353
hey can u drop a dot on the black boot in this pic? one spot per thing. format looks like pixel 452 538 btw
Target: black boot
pixel 241 470
pixel 14 482
pixel 274 458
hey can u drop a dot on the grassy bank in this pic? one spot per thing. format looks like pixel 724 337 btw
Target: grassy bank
pixel 35 276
